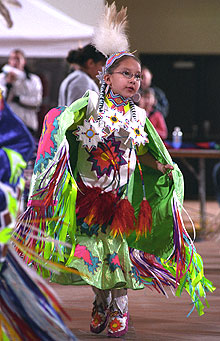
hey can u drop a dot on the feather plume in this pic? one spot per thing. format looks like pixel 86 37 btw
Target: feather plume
pixel 6 15
pixel 112 26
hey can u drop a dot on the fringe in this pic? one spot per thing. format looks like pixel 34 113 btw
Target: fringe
pixel 182 270
pixel 151 271
pixel 180 237
pixel 50 215
pixel 124 219
pixel 30 309
pixel 144 220
pixel 97 207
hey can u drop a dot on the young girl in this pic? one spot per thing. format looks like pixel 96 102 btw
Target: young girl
pixel 105 170
pixel 88 189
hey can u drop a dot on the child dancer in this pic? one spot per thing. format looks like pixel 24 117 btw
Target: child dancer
pixel 85 190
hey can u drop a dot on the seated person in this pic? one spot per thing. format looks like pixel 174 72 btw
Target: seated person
pixel 162 103
pixel 148 102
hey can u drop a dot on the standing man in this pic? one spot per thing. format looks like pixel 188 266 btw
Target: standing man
pixel 22 90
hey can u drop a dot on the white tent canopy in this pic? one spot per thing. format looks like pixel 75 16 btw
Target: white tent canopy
pixel 40 30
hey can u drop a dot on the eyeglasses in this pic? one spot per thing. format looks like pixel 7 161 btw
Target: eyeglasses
pixel 130 75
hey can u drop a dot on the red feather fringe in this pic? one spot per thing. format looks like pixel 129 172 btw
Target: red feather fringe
pixel 124 218
pixel 95 206
pixel 86 196
pixel 104 207
pixel 144 220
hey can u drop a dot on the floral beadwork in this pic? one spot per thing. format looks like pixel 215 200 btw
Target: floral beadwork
pixel 107 157
pixel 118 324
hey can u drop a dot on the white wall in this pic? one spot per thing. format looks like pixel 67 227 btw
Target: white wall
pixel 85 11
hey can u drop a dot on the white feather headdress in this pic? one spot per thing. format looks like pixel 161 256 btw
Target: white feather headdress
pixel 110 35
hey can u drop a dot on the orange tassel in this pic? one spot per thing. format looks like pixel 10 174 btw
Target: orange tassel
pixel 144 220
pixel 124 218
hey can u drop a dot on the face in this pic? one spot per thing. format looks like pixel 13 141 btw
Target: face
pixel 146 79
pixel 92 68
pixel 16 60
pixel 119 83
pixel 147 101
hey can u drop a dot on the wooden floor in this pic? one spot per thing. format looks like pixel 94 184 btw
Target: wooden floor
pixel 212 216
pixel 153 316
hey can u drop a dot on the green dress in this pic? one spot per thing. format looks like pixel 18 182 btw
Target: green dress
pixel 106 261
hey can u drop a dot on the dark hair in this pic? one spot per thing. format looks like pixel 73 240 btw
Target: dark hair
pixel 148 91
pixel 17 51
pixel 145 68
pixel 83 54
pixel 118 62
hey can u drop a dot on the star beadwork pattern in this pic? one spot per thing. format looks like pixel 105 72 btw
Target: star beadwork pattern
pixel 91 133
pixel 136 133
pixel 113 119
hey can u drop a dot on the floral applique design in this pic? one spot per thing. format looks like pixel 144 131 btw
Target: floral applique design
pixel 107 157
pixel 118 324
pixel 47 144
pixel 90 261
pixel 113 261
pixel 135 274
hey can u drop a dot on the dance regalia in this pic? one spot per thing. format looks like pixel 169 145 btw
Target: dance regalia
pixel 85 178
pixel 29 310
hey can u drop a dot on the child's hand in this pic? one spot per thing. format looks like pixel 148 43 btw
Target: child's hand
pixel 165 169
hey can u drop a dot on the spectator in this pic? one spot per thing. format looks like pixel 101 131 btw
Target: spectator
pixel 89 61
pixel 162 104
pixel 22 90
pixel 149 103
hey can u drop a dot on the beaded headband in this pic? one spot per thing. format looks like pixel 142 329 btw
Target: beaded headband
pixel 116 56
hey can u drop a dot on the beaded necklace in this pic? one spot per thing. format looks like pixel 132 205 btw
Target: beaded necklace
pixel 117 102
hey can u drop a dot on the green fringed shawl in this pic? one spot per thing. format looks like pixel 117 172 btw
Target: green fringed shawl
pixel 159 187
pixel 159 190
